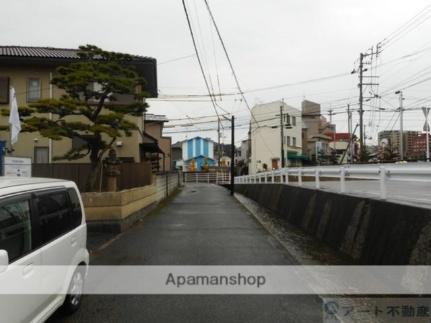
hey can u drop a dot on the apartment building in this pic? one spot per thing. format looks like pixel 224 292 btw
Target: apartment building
pixel 266 136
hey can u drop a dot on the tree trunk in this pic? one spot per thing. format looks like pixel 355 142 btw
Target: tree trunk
pixel 93 180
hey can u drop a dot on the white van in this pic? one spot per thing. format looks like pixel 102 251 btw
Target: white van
pixel 42 223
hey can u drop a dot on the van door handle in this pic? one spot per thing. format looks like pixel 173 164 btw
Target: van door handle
pixel 27 270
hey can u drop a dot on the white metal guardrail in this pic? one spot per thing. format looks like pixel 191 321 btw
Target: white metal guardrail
pixel 206 177
pixel 382 174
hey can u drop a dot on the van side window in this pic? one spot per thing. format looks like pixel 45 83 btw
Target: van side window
pixel 54 212
pixel 15 228
pixel 76 215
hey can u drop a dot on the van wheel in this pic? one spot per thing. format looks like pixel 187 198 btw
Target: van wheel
pixel 76 288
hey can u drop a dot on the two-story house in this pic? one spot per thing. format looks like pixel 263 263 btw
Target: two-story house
pixel 156 147
pixel 29 70
pixel 197 152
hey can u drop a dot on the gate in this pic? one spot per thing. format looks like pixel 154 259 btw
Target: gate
pixel 207 177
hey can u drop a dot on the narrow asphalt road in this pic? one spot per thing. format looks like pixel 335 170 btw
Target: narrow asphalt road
pixel 202 225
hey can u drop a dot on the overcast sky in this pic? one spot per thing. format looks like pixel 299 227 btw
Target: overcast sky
pixel 270 42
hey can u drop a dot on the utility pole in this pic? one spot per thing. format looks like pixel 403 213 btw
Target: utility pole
pixel 361 84
pixel 349 127
pixel 400 93
pixel 331 113
pixel 283 164
pixel 232 154
pixel 427 132
pixel 218 142
pixel 365 136
pixel 361 107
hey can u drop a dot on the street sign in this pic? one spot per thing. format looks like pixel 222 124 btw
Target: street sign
pixel 17 166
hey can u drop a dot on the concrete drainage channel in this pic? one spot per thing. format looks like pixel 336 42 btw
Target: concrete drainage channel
pixel 307 250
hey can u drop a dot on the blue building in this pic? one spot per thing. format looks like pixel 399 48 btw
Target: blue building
pixel 200 150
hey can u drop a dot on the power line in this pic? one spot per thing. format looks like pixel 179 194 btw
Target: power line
pixel 199 59
pixel 406 28
pixel 228 59
pixel 176 59
pixel 233 71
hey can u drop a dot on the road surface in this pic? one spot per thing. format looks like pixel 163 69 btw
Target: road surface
pixel 202 225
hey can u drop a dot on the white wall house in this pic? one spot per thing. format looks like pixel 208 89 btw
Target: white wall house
pixel 266 136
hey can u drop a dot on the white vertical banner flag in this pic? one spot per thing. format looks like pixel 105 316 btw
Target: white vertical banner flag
pixel 15 123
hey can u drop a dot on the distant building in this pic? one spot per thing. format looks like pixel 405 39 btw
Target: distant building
pixel 340 146
pixel 266 136
pixel 317 133
pixel 418 147
pixel 225 161
pixel 242 157
pixel 155 147
pixel 177 155
pixel 391 139
pixel 225 150
pixel 196 153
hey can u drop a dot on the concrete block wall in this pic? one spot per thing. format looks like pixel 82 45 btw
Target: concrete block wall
pixel 166 184
pixel 117 211
pixel 371 232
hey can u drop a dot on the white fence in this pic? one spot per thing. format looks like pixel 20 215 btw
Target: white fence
pixel 207 177
pixel 382 174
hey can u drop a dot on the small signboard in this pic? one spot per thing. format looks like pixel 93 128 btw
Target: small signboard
pixel 16 166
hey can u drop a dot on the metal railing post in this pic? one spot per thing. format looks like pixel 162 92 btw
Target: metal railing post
pixel 266 177
pixel 317 179
pixel 286 180
pixel 300 177
pixel 272 177
pixel 342 180
pixel 383 182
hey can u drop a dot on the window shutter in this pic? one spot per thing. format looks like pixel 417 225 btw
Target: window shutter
pixel 4 90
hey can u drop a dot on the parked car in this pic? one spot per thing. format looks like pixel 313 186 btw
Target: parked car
pixel 42 223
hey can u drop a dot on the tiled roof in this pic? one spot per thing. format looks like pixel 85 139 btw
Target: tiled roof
pixel 43 52
pixel 46 52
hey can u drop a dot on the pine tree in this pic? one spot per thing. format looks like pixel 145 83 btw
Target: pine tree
pixel 91 85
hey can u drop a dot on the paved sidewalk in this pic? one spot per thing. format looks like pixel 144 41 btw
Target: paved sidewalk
pixel 202 225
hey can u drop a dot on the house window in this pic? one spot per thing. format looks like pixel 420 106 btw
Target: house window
pixel 287 119
pixel 293 121
pixel 33 90
pixel 294 141
pixel 4 90
pixel 288 140
pixel 41 155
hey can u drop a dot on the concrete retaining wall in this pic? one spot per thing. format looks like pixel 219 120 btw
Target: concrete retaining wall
pixel 371 232
pixel 117 211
